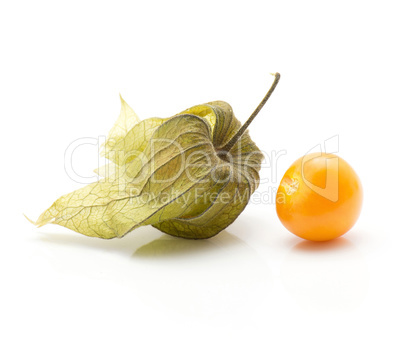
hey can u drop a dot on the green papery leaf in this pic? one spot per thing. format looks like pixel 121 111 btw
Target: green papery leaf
pixel 169 173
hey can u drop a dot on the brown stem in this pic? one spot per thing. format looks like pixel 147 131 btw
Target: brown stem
pixel 243 128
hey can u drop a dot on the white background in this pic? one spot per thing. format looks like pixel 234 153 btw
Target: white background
pixel 62 66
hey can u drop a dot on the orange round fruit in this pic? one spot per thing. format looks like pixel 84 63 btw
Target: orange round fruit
pixel 319 197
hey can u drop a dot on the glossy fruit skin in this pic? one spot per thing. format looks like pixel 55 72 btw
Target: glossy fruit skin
pixel 319 197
